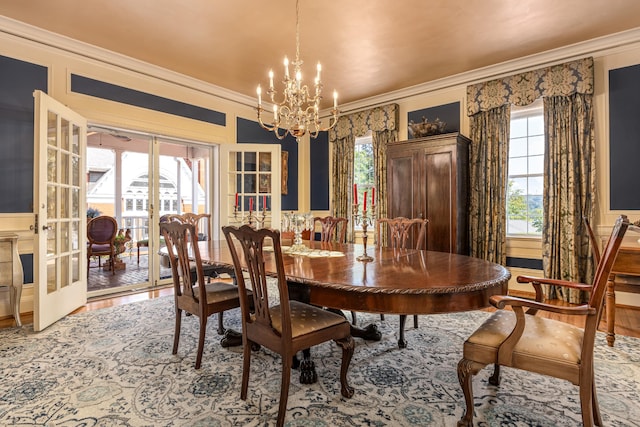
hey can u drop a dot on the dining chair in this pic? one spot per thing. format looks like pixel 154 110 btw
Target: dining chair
pixel 519 339
pixel 400 230
pixel 193 295
pixel 202 223
pixel 332 228
pixel 282 325
pixel 101 236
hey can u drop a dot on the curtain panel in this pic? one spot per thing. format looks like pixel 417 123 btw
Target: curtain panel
pixel 383 122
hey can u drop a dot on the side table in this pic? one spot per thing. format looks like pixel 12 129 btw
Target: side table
pixel 11 273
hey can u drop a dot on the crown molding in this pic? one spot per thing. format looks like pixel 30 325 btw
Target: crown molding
pixel 88 51
pixel 594 47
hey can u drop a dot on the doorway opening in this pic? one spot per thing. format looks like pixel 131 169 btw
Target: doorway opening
pixel 137 178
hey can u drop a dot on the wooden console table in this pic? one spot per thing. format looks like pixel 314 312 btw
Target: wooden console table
pixel 627 264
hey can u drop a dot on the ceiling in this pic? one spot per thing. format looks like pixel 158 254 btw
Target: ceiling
pixel 366 47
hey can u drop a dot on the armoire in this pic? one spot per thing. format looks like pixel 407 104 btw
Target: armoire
pixel 429 178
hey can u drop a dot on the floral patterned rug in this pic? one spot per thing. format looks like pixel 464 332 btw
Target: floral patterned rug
pixel 114 367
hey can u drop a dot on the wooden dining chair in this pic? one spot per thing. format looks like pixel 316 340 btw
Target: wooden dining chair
pixel 192 294
pixel 400 231
pixel 285 326
pixel 333 229
pixel 519 339
pixel 101 236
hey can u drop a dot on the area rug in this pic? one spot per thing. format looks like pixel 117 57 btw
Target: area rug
pixel 114 367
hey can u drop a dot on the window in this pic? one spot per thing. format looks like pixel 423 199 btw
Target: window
pixel 363 172
pixel 526 170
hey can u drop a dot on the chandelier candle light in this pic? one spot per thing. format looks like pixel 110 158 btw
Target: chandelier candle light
pixel 298 112
pixel 367 218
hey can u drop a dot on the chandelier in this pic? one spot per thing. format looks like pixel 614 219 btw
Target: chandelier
pixel 298 112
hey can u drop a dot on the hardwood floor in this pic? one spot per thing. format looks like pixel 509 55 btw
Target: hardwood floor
pixel 627 318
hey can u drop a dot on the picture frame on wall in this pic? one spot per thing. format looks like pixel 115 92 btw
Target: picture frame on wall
pixel 285 172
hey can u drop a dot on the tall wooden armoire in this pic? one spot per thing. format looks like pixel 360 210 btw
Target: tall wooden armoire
pixel 429 178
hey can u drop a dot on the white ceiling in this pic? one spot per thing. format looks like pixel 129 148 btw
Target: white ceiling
pixel 366 47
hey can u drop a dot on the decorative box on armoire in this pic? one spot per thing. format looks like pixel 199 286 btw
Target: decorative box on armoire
pixel 429 178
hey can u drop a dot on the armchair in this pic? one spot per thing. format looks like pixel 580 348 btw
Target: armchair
pixel 519 339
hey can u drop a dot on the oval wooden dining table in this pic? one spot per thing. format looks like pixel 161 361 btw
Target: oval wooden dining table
pixel 396 281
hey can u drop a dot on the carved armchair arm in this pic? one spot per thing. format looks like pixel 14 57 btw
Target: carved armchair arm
pixel 556 282
pixel 505 351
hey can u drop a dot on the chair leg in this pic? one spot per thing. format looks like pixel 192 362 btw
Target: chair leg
pixel 176 332
pixel 203 330
pixel 415 321
pixel 495 378
pixel 382 317
pixel 466 370
pixel 220 325
pixel 402 343
pixel 348 345
pixel 594 405
pixel 353 318
pixel 246 366
pixel 284 390
pixel 586 402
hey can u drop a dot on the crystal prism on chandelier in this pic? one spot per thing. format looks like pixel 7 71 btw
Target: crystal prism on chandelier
pixel 298 111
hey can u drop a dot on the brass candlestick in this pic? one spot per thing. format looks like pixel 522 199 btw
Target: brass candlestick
pixel 253 218
pixel 367 219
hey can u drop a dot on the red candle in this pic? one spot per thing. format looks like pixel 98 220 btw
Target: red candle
pixel 236 199
pixel 355 193
pixel 250 204
pixel 264 202
pixel 364 208
pixel 373 196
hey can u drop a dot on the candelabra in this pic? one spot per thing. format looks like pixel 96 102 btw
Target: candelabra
pixel 367 219
pixel 253 218
pixel 297 223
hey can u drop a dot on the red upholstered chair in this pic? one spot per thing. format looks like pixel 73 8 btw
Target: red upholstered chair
pixel 101 235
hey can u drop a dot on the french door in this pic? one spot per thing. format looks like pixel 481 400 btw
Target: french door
pixel 60 281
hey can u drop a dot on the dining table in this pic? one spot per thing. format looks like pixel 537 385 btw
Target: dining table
pixel 389 281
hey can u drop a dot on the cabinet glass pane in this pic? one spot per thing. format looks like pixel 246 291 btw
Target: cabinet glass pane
pixel 265 162
pixel 250 160
pixel 52 134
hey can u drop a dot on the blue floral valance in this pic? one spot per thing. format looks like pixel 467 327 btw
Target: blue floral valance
pixel 358 124
pixel 522 89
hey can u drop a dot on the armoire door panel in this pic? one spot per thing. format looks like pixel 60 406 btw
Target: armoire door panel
pixel 439 202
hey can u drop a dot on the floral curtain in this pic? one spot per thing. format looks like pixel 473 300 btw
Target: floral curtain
pixel 383 122
pixel 567 90
pixel 488 172
pixel 569 191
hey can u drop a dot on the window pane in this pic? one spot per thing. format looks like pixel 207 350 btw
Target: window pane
pixel 536 185
pixel 536 125
pixel 518 147
pixel 536 165
pixel 518 166
pixel 536 145
pixel 518 128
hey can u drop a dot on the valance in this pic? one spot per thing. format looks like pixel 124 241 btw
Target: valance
pixel 522 89
pixel 358 124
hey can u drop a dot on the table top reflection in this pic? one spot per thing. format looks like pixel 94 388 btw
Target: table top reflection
pixel 405 281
